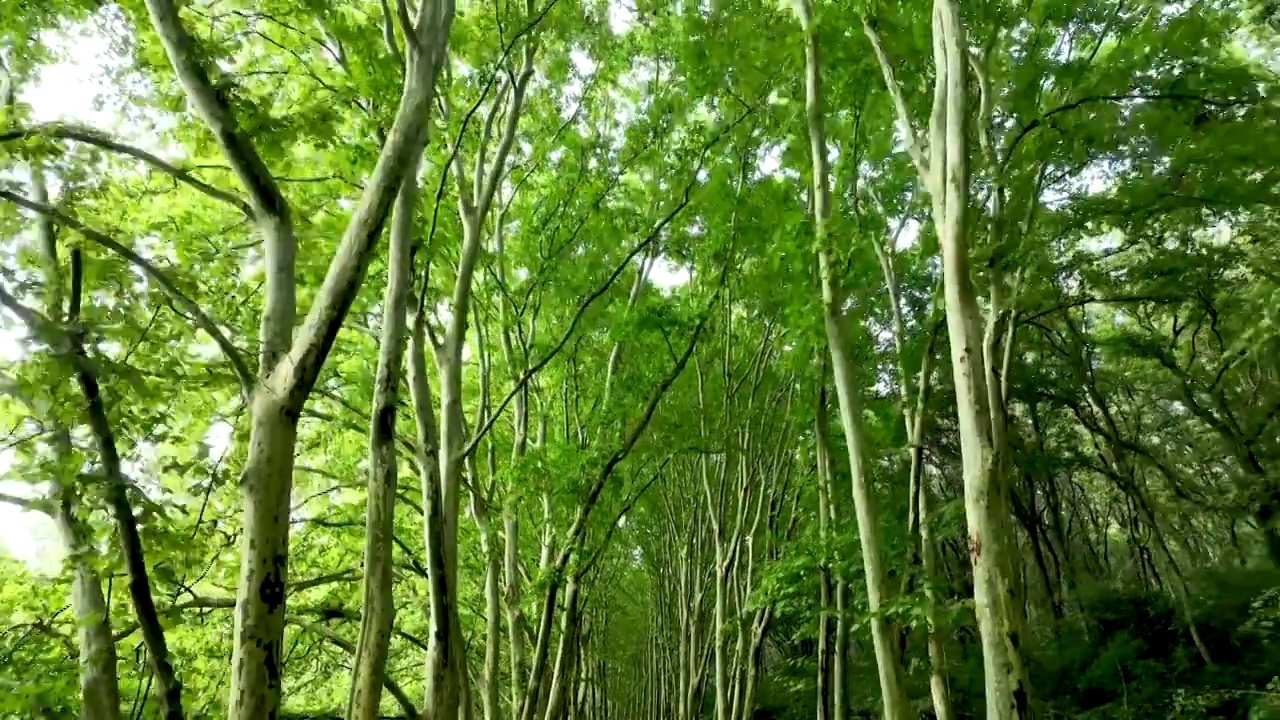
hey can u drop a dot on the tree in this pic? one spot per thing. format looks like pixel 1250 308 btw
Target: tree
pixel 731 388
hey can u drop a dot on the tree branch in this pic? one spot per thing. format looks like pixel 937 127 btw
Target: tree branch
pixel 389 32
pixel 337 577
pixel 1076 104
pixel 586 303
pixel 270 209
pixel 406 26
pixel 99 139
pixel 902 114
pixel 295 376
pixel 633 436
pixel 490 184
pixel 1089 300
pixel 29 504
pixel 161 278
pixel 337 640
pixel 213 109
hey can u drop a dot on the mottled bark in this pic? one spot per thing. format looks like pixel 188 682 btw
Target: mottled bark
pixel 378 606
pixel 979 403
pixel 289 366
pixel 99 684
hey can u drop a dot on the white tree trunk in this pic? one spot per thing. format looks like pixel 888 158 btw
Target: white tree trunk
pixel 991 545
pixel 286 378
pixel 493 613
pixel 99 684
pixel 888 664
pixel 378 607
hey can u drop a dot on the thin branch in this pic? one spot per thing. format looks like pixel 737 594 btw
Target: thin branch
pixel 338 641
pixel 29 504
pixel 31 318
pixel 626 508
pixel 99 139
pixel 466 120
pixel 1089 300
pixel 329 579
pixel 586 303
pixel 202 319
pixel 633 435
pixel 1076 104
pixel 903 115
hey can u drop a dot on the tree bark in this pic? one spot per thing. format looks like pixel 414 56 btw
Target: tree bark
pixel 564 653
pixel 99 684
pixel 991 548
pixel 888 664
pixel 831 649
pixel 369 664
pixel 823 685
pixel 493 612
pixel 289 367
pixel 440 691
pixel 167 685
pixel 945 175
pixel 474 206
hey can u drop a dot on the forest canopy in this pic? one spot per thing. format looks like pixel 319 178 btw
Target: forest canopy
pixel 640 359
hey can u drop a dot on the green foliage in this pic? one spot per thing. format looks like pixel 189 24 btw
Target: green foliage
pixel 1128 208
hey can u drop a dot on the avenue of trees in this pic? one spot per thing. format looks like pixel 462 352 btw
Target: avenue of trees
pixel 642 360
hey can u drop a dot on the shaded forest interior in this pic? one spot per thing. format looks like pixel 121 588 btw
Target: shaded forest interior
pixel 640 360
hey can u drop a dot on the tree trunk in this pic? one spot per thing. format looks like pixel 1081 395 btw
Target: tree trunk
pixel 286 378
pixel 259 617
pixel 443 700
pixel 512 583
pixel 938 687
pixel 840 654
pixel 99 685
pixel 889 666
pixel 979 399
pixel 378 607
pixel 991 547
pixel 474 205
pixel 831 649
pixel 564 653
pixel 825 675
pixel 752 680
pixel 441 687
pixel 493 613
pixel 117 488
pixel 515 613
